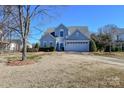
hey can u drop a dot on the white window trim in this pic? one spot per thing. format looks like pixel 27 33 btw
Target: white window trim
pixel 61 29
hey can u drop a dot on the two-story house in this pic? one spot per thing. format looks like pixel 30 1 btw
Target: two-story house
pixel 73 38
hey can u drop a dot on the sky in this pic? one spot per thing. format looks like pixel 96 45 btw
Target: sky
pixel 93 16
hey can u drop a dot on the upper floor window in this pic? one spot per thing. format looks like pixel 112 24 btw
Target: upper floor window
pixel 77 33
pixel 61 33
pixel 61 29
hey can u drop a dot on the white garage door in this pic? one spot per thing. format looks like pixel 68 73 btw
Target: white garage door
pixel 77 46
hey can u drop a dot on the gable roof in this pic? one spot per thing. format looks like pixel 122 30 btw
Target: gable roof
pixel 77 35
pixel 48 34
pixel 49 30
pixel 61 26
pixel 72 29
pixel 82 29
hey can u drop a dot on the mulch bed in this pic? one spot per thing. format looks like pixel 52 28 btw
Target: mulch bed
pixel 20 63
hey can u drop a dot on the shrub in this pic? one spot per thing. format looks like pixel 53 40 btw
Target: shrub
pixel 113 48
pixel 93 47
pixel 36 46
pixel 46 49
pixel 32 50
pixel 118 49
pixel 123 48
pixel 62 48
pixel 107 49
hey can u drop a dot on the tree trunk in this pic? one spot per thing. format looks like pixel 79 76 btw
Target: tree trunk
pixel 24 50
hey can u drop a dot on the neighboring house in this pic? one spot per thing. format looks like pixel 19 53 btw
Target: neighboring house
pixel 117 34
pixel 74 38
pixel 119 38
pixel 120 34
pixel 15 45
pixel 29 45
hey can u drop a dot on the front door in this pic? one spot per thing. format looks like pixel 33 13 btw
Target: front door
pixel 61 47
pixel 57 46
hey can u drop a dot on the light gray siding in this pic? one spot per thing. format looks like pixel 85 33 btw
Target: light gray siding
pixel 48 39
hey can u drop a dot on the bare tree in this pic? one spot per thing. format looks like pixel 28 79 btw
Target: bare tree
pixel 106 35
pixel 19 19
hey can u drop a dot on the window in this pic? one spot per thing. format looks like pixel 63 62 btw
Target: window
pixel 76 42
pixel 44 44
pixel 61 29
pixel 77 33
pixel 51 44
pixel 68 42
pixel 85 42
pixel 117 37
pixel 61 33
pixel 61 45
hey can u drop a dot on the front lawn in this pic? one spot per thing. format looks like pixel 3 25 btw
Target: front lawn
pixel 110 54
pixel 64 70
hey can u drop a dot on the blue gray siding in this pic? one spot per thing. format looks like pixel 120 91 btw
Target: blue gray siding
pixel 48 39
pixel 59 29
pixel 77 40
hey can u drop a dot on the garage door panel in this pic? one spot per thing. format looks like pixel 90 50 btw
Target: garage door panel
pixel 77 46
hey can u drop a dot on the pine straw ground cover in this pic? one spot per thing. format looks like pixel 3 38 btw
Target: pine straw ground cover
pixel 20 63
pixel 14 59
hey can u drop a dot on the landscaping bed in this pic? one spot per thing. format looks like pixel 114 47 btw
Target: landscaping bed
pixel 20 63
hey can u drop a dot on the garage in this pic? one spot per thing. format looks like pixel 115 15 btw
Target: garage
pixel 77 45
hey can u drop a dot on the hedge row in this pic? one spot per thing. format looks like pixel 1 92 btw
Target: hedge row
pixel 47 49
pixel 32 49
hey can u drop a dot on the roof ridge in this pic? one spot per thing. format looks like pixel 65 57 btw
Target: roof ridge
pixel 51 29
